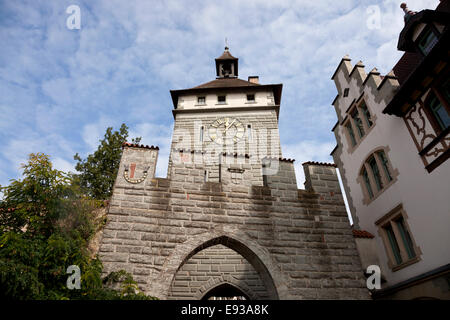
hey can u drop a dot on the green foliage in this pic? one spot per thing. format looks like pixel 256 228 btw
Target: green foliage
pixel 99 170
pixel 45 226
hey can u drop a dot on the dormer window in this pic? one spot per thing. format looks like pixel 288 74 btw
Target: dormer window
pixel 427 40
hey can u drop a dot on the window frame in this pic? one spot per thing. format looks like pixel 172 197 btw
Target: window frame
pixel 200 103
pixel 368 179
pixel 222 102
pixel 435 90
pixel 350 122
pixel 428 29
pixel 254 98
pixel 390 222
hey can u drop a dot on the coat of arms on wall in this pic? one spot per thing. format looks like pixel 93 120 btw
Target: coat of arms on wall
pixel 129 171
pixel 236 175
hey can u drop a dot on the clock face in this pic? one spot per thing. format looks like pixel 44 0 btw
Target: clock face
pixel 226 131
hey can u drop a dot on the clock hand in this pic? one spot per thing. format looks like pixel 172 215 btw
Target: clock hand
pixel 229 126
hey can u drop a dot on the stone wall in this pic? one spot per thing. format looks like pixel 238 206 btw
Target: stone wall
pixel 300 243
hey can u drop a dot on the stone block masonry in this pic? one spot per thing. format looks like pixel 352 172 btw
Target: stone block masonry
pixel 182 237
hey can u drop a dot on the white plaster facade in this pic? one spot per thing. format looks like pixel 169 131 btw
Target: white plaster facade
pixel 423 195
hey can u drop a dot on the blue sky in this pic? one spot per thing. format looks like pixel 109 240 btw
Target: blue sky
pixel 60 89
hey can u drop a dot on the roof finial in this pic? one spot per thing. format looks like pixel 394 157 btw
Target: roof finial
pixel 226 44
pixel 408 13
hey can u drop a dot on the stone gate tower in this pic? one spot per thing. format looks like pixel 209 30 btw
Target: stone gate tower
pixel 229 219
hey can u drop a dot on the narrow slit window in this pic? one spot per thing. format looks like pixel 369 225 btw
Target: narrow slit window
pixel 249 132
pixel 205 176
pixel 201 133
pixel 346 92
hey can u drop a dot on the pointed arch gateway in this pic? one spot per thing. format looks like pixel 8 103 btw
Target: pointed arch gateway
pixel 251 251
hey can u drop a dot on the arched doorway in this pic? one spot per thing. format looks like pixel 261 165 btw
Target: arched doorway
pixel 222 261
pixel 225 291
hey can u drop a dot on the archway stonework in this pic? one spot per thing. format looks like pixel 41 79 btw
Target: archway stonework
pixel 299 241
pixel 214 283
pixel 257 257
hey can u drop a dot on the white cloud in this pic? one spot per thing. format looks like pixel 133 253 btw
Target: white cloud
pixel 63 165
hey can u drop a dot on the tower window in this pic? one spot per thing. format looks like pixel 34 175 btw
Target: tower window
pixel 251 97
pixel 249 132
pixel 201 133
pixel 221 99
pixel 201 100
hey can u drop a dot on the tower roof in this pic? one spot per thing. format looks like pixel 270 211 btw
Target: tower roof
pixel 226 55
pixel 226 83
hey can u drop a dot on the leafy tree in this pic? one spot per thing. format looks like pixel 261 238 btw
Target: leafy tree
pixel 45 226
pixel 99 170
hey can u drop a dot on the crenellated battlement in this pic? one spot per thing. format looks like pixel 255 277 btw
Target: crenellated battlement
pixel 379 88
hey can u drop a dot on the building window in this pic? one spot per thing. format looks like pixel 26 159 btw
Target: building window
pixel 376 175
pixel 249 132
pixel 427 40
pixel 366 114
pixel 351 134
pixel 398 241
pixel 346 92
pixel 384 164
pixel 251 98
pixel 201 133
pixel 201 100
pixel 438 109
pixel 358 123
pixel 359 120
pixel 406 237
pixel 367 183
pixel 221 99
pixel 393 244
